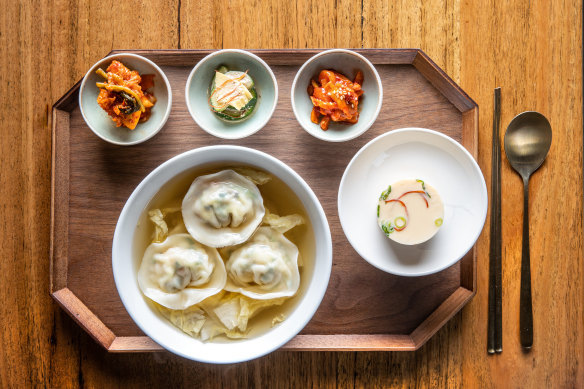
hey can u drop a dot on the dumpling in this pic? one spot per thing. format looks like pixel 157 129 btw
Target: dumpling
pixel 222 209
pixel 266 267
pixel 180 272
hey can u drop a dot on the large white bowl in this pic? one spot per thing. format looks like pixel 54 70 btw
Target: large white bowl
pixel 162 331
pixel 419 154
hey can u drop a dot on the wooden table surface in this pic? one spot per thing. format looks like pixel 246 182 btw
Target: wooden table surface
pixel 532 50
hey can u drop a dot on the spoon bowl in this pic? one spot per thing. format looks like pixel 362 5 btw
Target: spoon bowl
pixel 527 141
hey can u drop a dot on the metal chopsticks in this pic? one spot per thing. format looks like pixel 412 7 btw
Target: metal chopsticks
pixel 495 336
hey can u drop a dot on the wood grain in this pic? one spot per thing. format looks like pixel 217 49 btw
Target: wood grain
pixel 92 181
pixel 531 49
pixel 548 45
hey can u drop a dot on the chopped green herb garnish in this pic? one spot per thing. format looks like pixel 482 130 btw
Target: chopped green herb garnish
pixel 424 187
pixel 387 228
pixel 438 222
pixel 377 210
pixel 385 193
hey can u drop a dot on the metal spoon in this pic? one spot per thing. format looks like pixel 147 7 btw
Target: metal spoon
pixel 527 142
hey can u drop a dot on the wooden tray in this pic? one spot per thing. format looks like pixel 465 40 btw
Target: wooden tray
pixel 363 309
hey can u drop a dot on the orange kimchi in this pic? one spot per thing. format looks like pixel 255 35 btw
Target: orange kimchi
pixel 335 98
pixel 123 95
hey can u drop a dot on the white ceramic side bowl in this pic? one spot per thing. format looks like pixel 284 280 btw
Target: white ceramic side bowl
pixel 98 120
pixel 163 332
pixel 346 62
pixel 197 93
pixel 413 153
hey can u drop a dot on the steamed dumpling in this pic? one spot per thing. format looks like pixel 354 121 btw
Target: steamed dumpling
pixel 222 209
pixel 180 272
pixel 223 205
pixel 266 267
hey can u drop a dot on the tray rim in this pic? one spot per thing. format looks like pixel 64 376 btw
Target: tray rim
pixel 347 342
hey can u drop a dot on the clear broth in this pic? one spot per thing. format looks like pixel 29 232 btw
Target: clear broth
pixel 278 198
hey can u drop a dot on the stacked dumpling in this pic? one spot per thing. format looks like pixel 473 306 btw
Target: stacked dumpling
pixel 206 292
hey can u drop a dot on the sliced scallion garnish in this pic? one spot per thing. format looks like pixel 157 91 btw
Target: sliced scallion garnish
pixel 438 222
pixel 387 228
pixel 400 222
pixel 424 187
pixel 385 193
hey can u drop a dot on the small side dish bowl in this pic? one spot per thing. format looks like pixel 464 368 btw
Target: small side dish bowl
pixel 126 259
pixel 346 62
pixel 197 93
pixel 98 120
pixel 413 153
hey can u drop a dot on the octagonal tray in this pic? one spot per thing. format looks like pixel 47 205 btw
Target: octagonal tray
pixel 363 309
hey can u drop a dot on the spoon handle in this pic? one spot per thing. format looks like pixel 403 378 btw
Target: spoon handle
pixel 525 308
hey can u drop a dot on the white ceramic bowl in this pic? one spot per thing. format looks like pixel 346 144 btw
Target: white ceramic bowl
pixel 98 120
pixel 125 265
pixel 197 93
pixel 420 154
pixel 346 62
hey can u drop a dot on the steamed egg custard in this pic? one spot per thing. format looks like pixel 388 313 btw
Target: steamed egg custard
pixel 217 259
pixel 410 212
